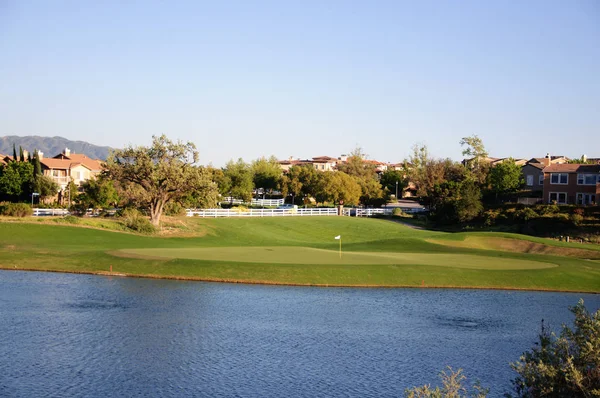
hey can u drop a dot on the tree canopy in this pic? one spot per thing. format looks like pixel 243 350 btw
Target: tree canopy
pixel 160 173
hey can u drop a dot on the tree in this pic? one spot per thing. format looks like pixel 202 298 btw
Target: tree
pixel 237 181
pixel 15 180
pixel 456 201
pixel 563 366
pixel 97 193
pixel 365 173
pixel 14 153
pixel 161 173
pixel 392 179
pixel 291 183
pixel 505 177
pixel 337 187
pixel 266 173
pixel 476 150
pixel 44 186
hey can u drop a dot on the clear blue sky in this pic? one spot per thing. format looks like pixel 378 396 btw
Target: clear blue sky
pixel 306 78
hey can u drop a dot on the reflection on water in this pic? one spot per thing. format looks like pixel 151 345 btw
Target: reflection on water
pixel 78 335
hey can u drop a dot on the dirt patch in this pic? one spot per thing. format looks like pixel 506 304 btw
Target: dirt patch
pixel 517 246
pixel 10 247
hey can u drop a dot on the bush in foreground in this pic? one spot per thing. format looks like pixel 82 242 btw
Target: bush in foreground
pixel 452 387
pixel 567 365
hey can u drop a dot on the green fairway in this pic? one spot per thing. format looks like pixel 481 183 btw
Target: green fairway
pixel 307 255
pixel 303 251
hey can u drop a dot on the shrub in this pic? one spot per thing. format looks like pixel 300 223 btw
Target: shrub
pixel 174 209
pixel 525 214
pixel 15 209
pixel 563 366
pixel 576 219
pixel 546 210
pixel 136 221
pixel 452 386
pixel 398 212
pixel 71 219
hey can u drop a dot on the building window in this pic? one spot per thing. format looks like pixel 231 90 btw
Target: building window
pixel 529 180
pixel 588 179
pixel 559 178
pixel 541 179
pixel 558 197
pixel 586 198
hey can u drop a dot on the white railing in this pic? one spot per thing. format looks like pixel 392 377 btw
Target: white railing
pixel 50 212
pixel 60 179
pixel 254 202
pixel 260 212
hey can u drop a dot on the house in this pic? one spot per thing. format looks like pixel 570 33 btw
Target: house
pixel 324 163
pixel 572 184
pixel 67 166
pixel 533 174
pixel 4 159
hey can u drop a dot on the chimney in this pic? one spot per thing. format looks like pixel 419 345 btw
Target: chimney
pixel 547 159
pixel 584 158
pixel 40 155
pixel 67 152
pixel 25 153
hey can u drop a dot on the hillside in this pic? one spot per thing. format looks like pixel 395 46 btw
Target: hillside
pixel 52 146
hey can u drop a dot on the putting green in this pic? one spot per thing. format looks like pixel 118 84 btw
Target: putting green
pixel 307 255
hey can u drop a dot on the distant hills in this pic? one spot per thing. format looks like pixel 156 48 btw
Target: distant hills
pixel 52 146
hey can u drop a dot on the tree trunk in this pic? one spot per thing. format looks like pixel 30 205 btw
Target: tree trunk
pixel 156 209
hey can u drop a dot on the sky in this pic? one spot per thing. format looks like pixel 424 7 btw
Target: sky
pixel 245 79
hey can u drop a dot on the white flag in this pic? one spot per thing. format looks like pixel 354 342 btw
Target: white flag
pixel 339 237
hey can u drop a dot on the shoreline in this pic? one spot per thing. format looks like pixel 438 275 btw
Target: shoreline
pixel 273 283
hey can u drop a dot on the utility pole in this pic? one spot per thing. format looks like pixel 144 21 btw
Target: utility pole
pixel 396 191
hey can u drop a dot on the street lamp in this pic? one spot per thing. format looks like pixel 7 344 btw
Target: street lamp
pixel 32 195
pixel 396 191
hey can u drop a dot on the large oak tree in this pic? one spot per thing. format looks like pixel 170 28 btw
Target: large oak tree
pixel 158 174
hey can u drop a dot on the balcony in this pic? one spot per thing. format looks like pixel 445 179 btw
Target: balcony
pixel 60 180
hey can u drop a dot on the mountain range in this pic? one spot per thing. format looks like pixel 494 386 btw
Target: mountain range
pixel 51 146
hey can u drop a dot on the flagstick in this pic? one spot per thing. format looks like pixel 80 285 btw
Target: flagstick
pixel 340 247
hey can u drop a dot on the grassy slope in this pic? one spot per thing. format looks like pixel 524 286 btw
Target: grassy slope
pixel 65 248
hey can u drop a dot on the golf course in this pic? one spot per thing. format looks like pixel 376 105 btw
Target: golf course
pixel 304 251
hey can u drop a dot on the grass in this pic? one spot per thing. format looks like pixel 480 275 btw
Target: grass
pixel 302 251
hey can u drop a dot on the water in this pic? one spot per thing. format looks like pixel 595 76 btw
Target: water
pixel 77 335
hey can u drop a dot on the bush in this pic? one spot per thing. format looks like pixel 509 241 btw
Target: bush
pixel 576 219
pixel 15 209
pixel 174 209
pixel 71 219
pixel 452 386
pixel 398 212
pixel 563 366
pixel 546 210
pixel 136 221
pixel 525 214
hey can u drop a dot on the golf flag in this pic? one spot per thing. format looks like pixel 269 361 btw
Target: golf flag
pixel 339 237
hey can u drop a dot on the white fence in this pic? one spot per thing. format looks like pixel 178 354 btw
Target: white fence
pixel 50 212
pixel 260 212
pixel 254 202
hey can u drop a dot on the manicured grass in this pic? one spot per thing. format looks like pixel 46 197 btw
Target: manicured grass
pixel 298 250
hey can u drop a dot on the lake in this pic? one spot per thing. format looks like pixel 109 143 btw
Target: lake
pixel 79 335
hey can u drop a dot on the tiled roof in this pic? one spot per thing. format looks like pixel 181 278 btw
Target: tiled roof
pixel 572 168
pixel 91 164
pixel 326 159
pixel 536 165
pixel 62 164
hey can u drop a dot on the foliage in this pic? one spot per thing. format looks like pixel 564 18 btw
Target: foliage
pixel 567 365
pixel 505 177
pixel 133 219
pixel 266 173
pixel 71 219
pixel 237 180
pixel 476 150
pixel 456 202
pixel 161 173
pixel 392 179
pixel 98 194
pixel 452 387
pixel 15 209
pixel 44 185
pixel 364 173
pixel 15 180
pixel 337 187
